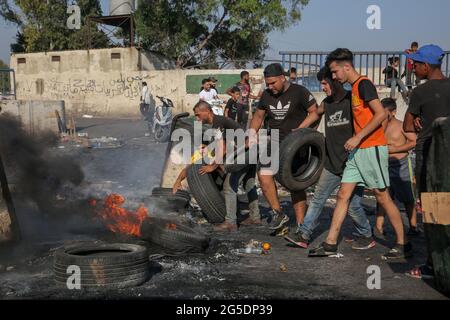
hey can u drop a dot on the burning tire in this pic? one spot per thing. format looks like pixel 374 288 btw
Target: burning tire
pixel 174 237
pixel 102 265
pixel 302 157
pixel 164 200
pixel 207 194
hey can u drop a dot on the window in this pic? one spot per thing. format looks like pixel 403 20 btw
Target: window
pixel 115 55
pixel 56 58
pixel 21 60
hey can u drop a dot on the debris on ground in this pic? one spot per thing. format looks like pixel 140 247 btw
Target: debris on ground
pixel 105 143
pixel 283 267
pixel 337 255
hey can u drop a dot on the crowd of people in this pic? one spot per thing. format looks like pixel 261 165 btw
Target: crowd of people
pixel 367 148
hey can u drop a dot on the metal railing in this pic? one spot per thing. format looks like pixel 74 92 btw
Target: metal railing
pixel 7 84
pixel 369 63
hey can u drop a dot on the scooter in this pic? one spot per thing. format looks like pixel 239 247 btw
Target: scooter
pixel 216 106
pixel 162 120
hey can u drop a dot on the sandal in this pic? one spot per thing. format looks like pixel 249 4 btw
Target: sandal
pixel 423 272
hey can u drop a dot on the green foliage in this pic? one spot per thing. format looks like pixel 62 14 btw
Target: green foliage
pixel 42 25
pixel 203 32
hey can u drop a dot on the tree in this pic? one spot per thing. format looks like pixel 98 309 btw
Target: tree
pixel 4 78
pixel 42 25
pixel 203 32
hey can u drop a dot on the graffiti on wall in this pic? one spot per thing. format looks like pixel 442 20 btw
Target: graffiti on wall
pixel 128 87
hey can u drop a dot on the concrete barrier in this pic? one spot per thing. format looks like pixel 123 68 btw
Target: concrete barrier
pixel 36 115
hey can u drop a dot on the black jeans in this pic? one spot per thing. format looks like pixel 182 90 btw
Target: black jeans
pixel 242 115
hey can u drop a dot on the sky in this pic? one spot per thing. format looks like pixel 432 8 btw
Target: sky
pixel 328 24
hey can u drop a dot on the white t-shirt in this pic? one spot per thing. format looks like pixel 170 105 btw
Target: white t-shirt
pixel 146 95
pixel 207 95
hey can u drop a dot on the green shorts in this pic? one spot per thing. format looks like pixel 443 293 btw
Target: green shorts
pixel 368 167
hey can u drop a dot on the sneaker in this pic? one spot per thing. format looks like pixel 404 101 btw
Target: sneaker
pixel 280 232
pixel 296 237
pixel 398 252
pixel 363 243
pixel 225 227
pixel 324 250
pixel 278 220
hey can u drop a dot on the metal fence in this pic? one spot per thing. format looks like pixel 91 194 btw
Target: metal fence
pixel 7 84
pixel 369 63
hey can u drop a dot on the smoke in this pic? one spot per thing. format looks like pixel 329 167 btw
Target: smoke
pixel 37 171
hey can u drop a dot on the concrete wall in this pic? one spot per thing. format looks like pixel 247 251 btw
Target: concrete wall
pixel 91 82
pixel 36 115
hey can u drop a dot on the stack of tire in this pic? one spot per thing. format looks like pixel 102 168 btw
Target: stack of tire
pixel 116 265
pixel 302 157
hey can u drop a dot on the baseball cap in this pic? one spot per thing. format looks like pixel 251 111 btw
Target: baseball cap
pixel 274 70
pixel 212 79
pixel 430 54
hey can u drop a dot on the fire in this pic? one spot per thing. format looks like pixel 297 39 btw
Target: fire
pixel 119 219
pixel 171 226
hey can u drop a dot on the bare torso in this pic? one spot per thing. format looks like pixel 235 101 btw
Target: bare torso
pixel 395 137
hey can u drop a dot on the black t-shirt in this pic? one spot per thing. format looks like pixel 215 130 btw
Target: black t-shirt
pixel 222 123
pixel 430 101
pixel 287 110
pixel 338 129
pixel 390 72
pixel 367 91
pixel 232 109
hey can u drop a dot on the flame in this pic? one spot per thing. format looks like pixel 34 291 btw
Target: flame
pixel 119 219
pixel 171 226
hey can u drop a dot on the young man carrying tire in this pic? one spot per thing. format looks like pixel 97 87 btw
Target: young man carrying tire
pixel 337 107
pixel 367 162
pixel 288 107
pixel 247 175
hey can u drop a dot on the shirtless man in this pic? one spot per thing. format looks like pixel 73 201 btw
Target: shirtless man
pixel 400 168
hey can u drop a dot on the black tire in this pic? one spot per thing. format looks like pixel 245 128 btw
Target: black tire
pixel 167 192
pixel 178 238
pixel 231 168
pixel 302 157
pixel 207 194
pixel 114 265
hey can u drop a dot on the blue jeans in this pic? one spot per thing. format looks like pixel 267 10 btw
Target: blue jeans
pixel 328 182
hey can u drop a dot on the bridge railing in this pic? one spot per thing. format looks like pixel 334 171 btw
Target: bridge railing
pixel 369 63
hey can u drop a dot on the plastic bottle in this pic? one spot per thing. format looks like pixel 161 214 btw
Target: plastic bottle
pixel 249 250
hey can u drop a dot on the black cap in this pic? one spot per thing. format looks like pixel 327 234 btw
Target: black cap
pixel 212 79
pixel 274 70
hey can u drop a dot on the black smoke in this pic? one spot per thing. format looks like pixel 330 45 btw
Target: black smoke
pixel 37 171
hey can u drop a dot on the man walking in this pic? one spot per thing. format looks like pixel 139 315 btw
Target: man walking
pixel 367 162
pixel 288 107
pixel 337 107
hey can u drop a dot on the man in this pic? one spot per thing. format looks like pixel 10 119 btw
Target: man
pixel 428 102
pixel 337 107
pixel 293 75
pixel 231 106
pixel 287 107
pixel 146 110
pixel 409 66
pixel 204 113
pixel 367 162
pixel 207 94
pixel 400 167
pixel 392 80
pixel 213 82
pixel 243 101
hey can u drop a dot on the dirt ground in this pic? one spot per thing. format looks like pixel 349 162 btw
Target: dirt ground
pixel 133 170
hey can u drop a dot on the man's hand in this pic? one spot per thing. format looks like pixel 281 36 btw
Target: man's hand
pixel 418 124
pixel 352 143
pixel 392 149
pixel 176 186
pixel 207 169
pixel 251 140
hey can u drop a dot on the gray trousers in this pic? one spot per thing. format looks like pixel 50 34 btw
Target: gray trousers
pixel 247 177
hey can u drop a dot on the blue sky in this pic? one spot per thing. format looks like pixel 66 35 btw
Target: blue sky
pixel 327 24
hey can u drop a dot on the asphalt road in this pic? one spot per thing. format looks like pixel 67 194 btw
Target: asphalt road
pixel 133 170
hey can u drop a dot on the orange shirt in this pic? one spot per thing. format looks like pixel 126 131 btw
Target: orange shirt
pixel 362 114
